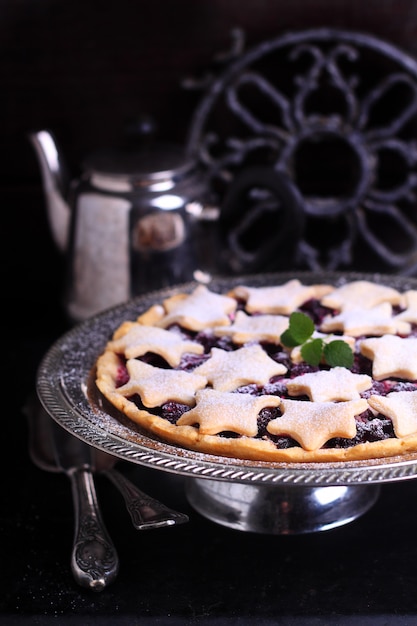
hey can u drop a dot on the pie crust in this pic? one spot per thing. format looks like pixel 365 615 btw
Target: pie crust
pixel 208 371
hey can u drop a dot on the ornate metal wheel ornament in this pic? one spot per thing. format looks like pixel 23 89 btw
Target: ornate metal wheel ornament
pixel 311 138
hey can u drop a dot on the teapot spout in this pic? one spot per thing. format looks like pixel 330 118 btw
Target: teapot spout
pixel 54 183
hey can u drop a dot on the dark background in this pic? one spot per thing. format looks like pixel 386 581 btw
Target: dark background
pixel 87 69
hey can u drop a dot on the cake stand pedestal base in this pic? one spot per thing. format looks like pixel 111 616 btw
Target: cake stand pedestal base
pixel 279 509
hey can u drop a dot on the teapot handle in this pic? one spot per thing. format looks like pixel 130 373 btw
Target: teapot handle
pixel 261 220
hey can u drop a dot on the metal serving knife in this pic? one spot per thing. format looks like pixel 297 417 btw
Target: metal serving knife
pixel 146 512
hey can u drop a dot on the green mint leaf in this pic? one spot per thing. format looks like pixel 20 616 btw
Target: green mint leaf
pixel 312 351
pixel 301 327
pixel 338 354
pixel 288 340
pixel 299 333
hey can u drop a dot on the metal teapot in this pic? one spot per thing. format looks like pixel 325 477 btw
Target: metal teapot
pixel 132 222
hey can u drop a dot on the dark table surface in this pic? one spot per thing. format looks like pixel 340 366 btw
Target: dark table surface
pixel 198 573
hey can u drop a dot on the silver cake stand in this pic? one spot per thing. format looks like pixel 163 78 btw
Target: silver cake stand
pixel 260 497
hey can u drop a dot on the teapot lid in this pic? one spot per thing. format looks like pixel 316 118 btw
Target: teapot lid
pixel 152 162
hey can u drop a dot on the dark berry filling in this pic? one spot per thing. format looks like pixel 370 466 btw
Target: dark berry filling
pixel 122 375
pixel 172 411
pixel 316 311
pixel 370 427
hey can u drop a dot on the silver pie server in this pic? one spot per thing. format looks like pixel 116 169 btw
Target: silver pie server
pixel 145 512
pixel 94 560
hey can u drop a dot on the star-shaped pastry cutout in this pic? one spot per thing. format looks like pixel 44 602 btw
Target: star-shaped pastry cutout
pixel 360 294
pixel 218 411
pixel 392 356
pixel 377 320
pixel 227 371
pixel 401 408
pixel 314 423
pixel 157 386
pixel 410 312
pixel 198 310
pixel 139 339
pixel 337 384
pixel 245 328
pixel 283 299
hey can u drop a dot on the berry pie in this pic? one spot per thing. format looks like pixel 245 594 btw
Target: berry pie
pixel 287 373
